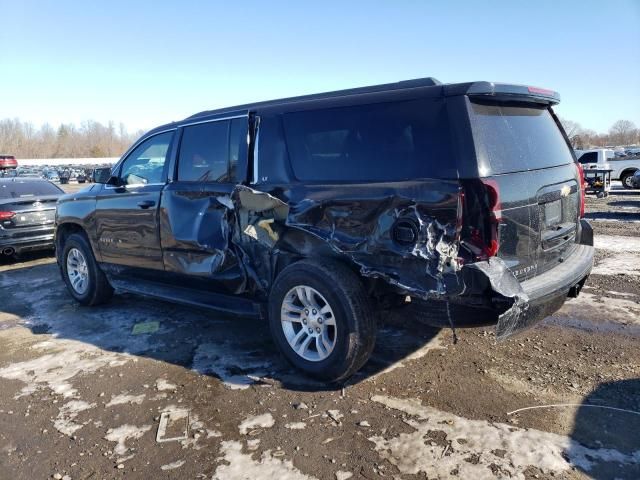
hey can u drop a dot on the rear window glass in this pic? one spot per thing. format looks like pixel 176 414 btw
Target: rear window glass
pixel 514 138
pixel 375 142
pixel 27 189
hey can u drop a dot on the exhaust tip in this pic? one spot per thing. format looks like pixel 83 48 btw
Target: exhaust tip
pixel 8 251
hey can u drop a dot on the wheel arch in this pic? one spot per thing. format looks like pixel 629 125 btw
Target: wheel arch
pixel 295 245
pixel 64 230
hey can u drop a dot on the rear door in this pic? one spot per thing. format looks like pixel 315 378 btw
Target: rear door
pixel 127 216
pixel 523 155
pixel 197 213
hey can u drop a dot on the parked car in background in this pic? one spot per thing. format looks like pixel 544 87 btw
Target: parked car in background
pixel 622 168
pixel 27 214
pixel 595 158
pixel 7 162
pixel 81 177
pixel 52 176
pixel 8 173
pixel 340 206
pixel 633 152
pixel 64 176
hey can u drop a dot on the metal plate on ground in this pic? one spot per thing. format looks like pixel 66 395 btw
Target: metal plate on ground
pixel 174 426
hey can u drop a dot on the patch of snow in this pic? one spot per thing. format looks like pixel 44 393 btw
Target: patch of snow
pixel 173 465
pixel 617 243
pixel 253 444
pixel 625 264
pixel 123 433
pixel 340 475
pixel 241 466
pixel 296 425
pixel 68 412
pixel 607 309
pixel 163 385
pixel 67 359
pixel 257 421
pixel 124 398
pixel 335 415
pixel 521 448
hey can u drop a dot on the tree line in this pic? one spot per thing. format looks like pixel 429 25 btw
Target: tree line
pixel 90 139
pixel 621 133
pixel 93 139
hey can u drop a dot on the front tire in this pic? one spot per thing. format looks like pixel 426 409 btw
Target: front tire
pixel 85 280
pixel 321 319
pixel 627 180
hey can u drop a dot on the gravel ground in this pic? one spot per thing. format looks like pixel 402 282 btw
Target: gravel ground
pixel 143 389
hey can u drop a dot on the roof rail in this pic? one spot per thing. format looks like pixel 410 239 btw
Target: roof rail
pixel 414 83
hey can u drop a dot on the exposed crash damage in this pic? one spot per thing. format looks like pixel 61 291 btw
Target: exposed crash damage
pixel 425 264
pixel 317 213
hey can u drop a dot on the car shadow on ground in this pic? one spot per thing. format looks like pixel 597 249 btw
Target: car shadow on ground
pixel 609 420
pixel 237 350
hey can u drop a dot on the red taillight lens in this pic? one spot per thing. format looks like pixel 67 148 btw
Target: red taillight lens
pixel 581 177
pixel 483 237
pixel 6 215
pixel 495 212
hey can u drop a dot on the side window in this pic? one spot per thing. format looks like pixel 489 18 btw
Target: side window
pixel 374 142
pixel 146 163
pixel 204 153
pixel 590 157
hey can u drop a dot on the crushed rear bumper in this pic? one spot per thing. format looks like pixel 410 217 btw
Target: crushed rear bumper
pixel 519 305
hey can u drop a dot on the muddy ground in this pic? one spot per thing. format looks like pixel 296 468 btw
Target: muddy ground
pixel 143 389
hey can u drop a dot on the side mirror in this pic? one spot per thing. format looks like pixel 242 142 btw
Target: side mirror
pixel 102 175
pixel 114 181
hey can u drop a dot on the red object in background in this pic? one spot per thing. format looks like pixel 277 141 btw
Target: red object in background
pixel 8 161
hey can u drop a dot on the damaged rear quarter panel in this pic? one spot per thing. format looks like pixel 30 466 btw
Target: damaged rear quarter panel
pixel 358 220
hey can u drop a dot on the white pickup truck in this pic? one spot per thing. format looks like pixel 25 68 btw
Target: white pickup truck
pixel 623 167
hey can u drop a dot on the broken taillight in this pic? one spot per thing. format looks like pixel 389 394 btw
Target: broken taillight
pixel 483 239
pixel 581 177
pixel 495 217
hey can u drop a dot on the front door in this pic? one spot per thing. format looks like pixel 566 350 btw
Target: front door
pixel 127 216
pixel 197 214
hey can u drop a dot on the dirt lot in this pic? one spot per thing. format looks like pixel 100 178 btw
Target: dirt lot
pixel 142 389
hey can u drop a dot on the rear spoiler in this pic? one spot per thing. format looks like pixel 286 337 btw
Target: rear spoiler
pixel 508 92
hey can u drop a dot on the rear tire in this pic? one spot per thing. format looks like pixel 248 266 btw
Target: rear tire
pixel 340 323
pixel 626 179
pixel 85 280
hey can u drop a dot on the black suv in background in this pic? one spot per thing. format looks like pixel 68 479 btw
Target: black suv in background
pixel 319 212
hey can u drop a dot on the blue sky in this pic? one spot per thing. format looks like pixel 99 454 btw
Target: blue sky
pixel 149 62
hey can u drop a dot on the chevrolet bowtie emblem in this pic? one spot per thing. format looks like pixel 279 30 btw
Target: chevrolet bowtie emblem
pixel 566 190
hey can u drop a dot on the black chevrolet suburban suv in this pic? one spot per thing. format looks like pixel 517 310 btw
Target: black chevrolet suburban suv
pixel 319 213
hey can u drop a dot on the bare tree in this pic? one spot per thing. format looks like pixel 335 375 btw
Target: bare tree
pixel 89 139
pixel 623 132
pixel 570 127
